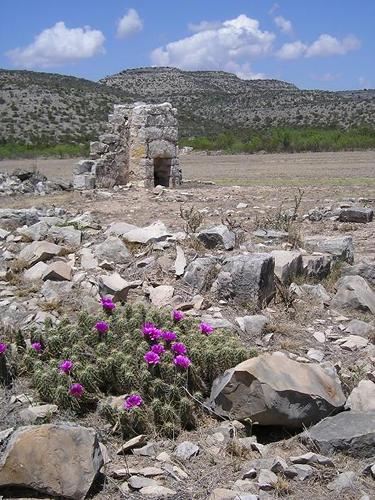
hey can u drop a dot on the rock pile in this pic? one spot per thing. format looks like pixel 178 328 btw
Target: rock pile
pixel 29 182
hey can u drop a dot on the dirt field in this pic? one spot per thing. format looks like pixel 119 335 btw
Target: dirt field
pixel 317 169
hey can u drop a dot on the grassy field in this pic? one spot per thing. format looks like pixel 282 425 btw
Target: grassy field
pixel 286 140
pixel 36 151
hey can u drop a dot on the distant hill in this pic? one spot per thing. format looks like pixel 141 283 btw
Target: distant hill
pixel 45 107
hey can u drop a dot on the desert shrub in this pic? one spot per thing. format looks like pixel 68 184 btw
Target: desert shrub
pixel 113 363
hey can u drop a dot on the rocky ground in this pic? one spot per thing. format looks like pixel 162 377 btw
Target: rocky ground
pixel 287 274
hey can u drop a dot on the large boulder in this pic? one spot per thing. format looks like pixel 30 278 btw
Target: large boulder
pixel 247 278
pixel 287 265
pixel 275 390
pixel 112 250
pixel 356 214
pixel 60 460
pixel 364 269
pixel 217 237
pixel 353 292
pixel 341 248
pixel 350 432
pixel 200 273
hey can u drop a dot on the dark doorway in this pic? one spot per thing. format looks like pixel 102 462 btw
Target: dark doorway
pixel 162 171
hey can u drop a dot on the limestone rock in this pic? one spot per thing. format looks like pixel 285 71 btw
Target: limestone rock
pixel 247 277
pixel 186 450
pixel 218 237
pixel 299 472
pixel 37 413
pixel 350 432
pixel 58 271
pixel 161 295
pixel 57 459
pixel 157 492
pixel 352 342
pixel 155 232
pixel 200 272
pixel 362 397
pixel 88 261
pixel 39 251
pixel 138 482
pixel 312 458
pixel 275 390
pixel 180 262
pixel 358 327
pixel 67 235
pixel 252 325
pixel 55 290
pixel 346 480
pixel 112 250
pixel 353 292
pixel 267 479
pixel 35 232
pixel 356 214
pixel 316 266
pixel 226 494
pixel 341 248
pixel 120 228
pixel 135 442
pixel 364 269
pixel 35 272
pixel 287 265
pixel 115 285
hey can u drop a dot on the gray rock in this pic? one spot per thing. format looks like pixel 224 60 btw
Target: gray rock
pixel 360 328
pixel 352 342
pixel 149 450
pixel 274 390
pixel 35 272
pixel 120 228
pixel 364 269
pixel 67 235
pixel 288 264
pixel 29 459
pixel 217 322
pixel 299 472
pixel 35 232
pixel 180 262
pixel 161 296
pixel 266 480
pixel 84 181
pixel 252 325
pixel 279 465
pixel 312 458
pixel 55 290
pixel 353 292
pixel 317 292
pixel 362 397
pixel 247 278
pixel 34 414
pixel 226 494
pixel 218 237
pixel 271 235
pixel 341 248
pixel 356 214
pixel 316 266
pixel 83 167
pixel 19 217
pixel 315 355
pixel 346 480
pixel 138 482
pixel 39 251
pixel 115 285
pixel 186 450
pixel 135 442
pixel 112 250
pixel 88 261
pixel 4 234
pixel 58 271
pixel 157 492
pixel 350 432
pixel 155 232
pixel 200 273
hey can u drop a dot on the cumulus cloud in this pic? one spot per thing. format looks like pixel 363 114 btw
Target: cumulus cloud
pixel 204 26
pixel 284 25
pixel 327 45
pixel 292 50
pixel 59 45
pixel 129 25
pixel 231 43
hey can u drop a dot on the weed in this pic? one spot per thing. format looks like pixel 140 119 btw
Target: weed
pixel 192 219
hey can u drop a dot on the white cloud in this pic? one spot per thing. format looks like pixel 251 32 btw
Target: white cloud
pixel 273 9
pixel 284 25
pixel 204 26
pixel 327 45
pixel 233 42
pixel 130 24
pixel 292 50
pixel 243 71
pixel 59 45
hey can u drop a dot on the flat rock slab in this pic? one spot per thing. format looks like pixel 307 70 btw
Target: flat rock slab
pixel 60 460
pixel 149 234
pixel 349 432
pixel 353 292
pixel 341 248
pixel 217 237
pixel 39 251
pixel 356 214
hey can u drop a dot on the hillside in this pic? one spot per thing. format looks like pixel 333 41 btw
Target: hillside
pixel 55 108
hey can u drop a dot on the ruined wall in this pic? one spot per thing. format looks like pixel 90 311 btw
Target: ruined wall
pixel 141 144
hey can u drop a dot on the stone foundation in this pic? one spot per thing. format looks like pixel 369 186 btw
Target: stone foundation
pixel 141 144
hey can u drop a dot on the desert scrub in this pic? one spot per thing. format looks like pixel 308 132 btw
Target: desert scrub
pixel 162 362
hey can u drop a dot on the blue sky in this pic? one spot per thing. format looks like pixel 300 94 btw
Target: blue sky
pixel 328 44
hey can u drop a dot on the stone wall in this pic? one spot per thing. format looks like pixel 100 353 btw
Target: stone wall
pixel 141 144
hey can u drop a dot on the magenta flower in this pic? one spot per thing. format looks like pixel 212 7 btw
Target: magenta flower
pixel 132 401
pixel 177 315
pixel 169 336
pixel 108 304
pixel 150 331
pixel 206 329
pixel 179 348
pixel 182 361
pixel 66 366
pixel 151 358
pixel 76 390
pixel 3 348
pixel 37 346
pixel 102 327
pixel 158 349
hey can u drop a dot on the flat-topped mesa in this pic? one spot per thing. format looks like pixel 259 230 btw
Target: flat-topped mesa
pixel 141 144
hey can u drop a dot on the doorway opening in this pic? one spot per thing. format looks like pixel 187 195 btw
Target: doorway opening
pixel 162 171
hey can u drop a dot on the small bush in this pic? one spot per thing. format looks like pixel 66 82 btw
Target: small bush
pixel 113 363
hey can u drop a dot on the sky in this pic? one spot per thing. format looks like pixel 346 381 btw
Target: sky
pixel 325 44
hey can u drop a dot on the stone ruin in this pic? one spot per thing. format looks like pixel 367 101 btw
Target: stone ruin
pixel 140 145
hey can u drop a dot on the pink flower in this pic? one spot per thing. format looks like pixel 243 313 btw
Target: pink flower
pixel 132 401
pixel 151 358
pixel 158 349
pixel 107 304
pixel 182 361
pixel 66 366
pixel 76 390
pixel 177 315
pixel 206 329
pixel 3 348
pixel 169 336
pixel 37 346
pixel 102 326
pixel 150 331
pixel 179 348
